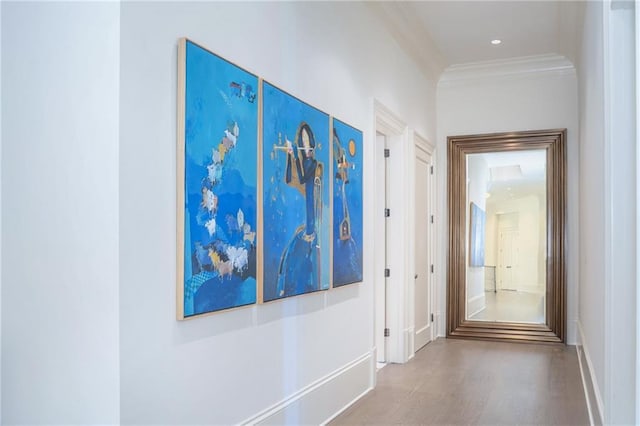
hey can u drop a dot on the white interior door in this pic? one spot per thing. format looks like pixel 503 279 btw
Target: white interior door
pixel 422 291
pixel 381 283
pixel 508 252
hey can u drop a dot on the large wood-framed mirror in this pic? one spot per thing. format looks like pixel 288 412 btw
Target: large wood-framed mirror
pixel 506 264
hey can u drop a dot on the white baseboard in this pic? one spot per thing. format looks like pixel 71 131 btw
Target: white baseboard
pixel 410 335
pixel 475 304
pixel 324 399
pixel 533 289
pixel 440 325
pixel 591 389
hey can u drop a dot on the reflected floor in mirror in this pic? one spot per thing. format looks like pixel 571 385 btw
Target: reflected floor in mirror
pixel 512 306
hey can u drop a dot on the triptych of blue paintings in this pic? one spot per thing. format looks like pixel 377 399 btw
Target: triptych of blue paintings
pixel 299 242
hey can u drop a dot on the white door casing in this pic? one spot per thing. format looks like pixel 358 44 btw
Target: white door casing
pixel 423 243
pixel 397 249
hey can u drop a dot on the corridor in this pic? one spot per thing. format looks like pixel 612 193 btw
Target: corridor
pixel 456 382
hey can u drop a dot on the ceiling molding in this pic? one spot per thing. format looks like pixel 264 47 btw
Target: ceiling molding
pixel 409 32
pixel 513 67
pixel 570 24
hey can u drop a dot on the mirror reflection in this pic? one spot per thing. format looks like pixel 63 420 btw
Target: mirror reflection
pixel 506 236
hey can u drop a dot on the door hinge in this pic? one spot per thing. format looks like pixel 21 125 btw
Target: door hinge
pixel 387 212
pixel 431 317
pixel 432 269
pixel 387 153
pixel 386 332
pixel 387 272
pixel 431 169
pixel 431 218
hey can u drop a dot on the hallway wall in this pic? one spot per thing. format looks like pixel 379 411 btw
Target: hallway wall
pixel 478 176
pixel 592 199
pixel 88 211
pixel 60 84
pixel 608 280
pixel 248 364
pixel 523 94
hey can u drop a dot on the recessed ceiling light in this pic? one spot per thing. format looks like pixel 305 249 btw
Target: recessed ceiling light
pixel 496 42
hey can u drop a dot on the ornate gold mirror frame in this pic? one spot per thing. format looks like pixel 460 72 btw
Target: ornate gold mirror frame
pixel 458 326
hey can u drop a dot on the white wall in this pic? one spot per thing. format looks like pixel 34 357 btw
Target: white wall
pixel 531 213
pixel 620 218
pixel 620 357
pixel 0 212
pixel 477 180
pixel 592 195
pixel 490 98
pixel 231 367
pixel 60 342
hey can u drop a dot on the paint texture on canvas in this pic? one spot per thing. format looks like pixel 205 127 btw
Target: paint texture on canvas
pixel 220 211
pixel 296 196
pixel 347 204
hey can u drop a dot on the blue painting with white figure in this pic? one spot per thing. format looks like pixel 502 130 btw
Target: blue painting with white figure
pixel 296 196
pixel 347 204
pixel 220 211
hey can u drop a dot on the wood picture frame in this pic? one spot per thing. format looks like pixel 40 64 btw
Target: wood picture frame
pixel 554 328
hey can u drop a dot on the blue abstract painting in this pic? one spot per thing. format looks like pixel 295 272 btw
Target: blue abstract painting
pixel 347 204
pixel 296 196
pixel 219 183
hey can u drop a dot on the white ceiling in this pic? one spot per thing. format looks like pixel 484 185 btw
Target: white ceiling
pixel 463 30
pixel 532 181
pixel 532 162
pixel 438 34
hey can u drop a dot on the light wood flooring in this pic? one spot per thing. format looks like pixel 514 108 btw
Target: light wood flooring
pixel 465 382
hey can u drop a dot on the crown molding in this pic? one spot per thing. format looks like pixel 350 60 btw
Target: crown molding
pixel 406 28
pixel 506 68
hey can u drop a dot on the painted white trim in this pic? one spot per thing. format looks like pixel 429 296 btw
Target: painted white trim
pixel 620 400
pixel 386 120
pixel 379 240
pixel 421 330
pixel 637 286
pixel 473 301
pixel 539 65
pixel 306 390
pixel 404 289
pixel 410 342
pixel 424 144
pixel 349 404
pixel 439 320
pixel 1 351
pixel 579 352
pixel 607 261
pixel 589 373
pixel 397 137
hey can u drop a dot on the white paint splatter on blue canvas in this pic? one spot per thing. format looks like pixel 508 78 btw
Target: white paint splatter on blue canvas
pixel 221 126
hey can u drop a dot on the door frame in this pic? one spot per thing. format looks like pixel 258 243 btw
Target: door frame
pixel 397 138
pixel 500 247
pixel 422 143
